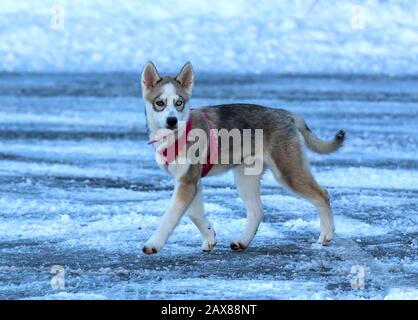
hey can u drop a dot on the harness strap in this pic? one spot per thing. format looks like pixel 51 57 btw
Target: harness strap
pixel 213 148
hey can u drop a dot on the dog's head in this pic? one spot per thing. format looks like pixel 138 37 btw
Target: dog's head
pixel 166 98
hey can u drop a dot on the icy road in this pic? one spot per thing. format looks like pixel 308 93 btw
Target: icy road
pixel 79 189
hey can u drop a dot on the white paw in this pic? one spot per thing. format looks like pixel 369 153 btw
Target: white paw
pixel 326 237
pixel 208 246
pixel 238 246
pixel 150 248
pixel 210 241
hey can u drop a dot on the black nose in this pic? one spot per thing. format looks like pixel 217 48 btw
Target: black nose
pixel 171 122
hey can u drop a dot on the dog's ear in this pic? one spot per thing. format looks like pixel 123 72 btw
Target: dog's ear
pixel 186 77
pixel 150 77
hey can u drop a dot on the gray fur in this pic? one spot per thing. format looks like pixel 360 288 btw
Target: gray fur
pixel 284 137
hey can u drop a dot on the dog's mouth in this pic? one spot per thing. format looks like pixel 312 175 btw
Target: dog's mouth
pixel 162 134
pixel 173 128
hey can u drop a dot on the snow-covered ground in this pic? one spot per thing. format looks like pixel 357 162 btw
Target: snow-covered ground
pixel 373 36
pixel 79 188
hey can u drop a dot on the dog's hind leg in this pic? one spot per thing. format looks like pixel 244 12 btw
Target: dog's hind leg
pixel 197 215
pixel 290 168
pixel 249 190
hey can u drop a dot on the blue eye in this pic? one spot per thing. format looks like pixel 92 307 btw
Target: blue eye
pixel 179 103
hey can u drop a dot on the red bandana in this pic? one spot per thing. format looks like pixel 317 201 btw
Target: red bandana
pixel 181 142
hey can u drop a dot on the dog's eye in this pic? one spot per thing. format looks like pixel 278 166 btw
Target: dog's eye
pixel 179 103
pixel 160 103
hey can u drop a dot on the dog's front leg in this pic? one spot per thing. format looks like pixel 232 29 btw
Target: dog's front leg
pixel 197 215
pixel 184 193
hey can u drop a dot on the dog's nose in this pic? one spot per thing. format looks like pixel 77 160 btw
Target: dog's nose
pixel 171 122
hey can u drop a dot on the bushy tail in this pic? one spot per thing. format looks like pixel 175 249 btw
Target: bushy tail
pixel 316 144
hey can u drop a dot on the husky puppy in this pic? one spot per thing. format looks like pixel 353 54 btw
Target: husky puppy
pixel 284 135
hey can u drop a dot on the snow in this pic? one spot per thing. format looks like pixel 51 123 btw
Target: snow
pixel 346 227
pixel 403 294
pixel 71 296
pixel 79 187
pixel 243 36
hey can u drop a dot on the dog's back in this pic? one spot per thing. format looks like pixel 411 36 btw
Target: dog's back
pixel 277 124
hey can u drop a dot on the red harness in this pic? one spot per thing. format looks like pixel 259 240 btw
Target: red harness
pixel 181 142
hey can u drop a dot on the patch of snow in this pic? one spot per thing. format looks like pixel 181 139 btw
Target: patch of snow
pixel 262 36
pixel 72 296
pixel 345 227
pixel 402 294
pixel 361 177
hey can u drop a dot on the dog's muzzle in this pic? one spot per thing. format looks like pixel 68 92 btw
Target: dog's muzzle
pixel 171 122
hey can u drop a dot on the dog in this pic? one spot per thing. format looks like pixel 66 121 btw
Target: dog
pixel 284 136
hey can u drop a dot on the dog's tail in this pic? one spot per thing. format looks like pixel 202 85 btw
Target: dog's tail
pixel 316 144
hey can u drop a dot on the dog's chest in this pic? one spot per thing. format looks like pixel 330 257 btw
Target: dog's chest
pixel 177 168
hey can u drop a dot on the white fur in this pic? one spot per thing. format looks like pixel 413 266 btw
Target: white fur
pixel 249 190
pixel 197 215
pixel 168 222
pixel 158 119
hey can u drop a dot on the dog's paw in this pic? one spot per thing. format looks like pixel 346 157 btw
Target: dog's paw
pixel 237 246
pixel 210 242
pixel 149 250
pixel 207 246
pixel 340 135
pixel 325 237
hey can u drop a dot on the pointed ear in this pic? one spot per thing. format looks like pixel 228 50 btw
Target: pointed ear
pixel 186 77
pixel 150 77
